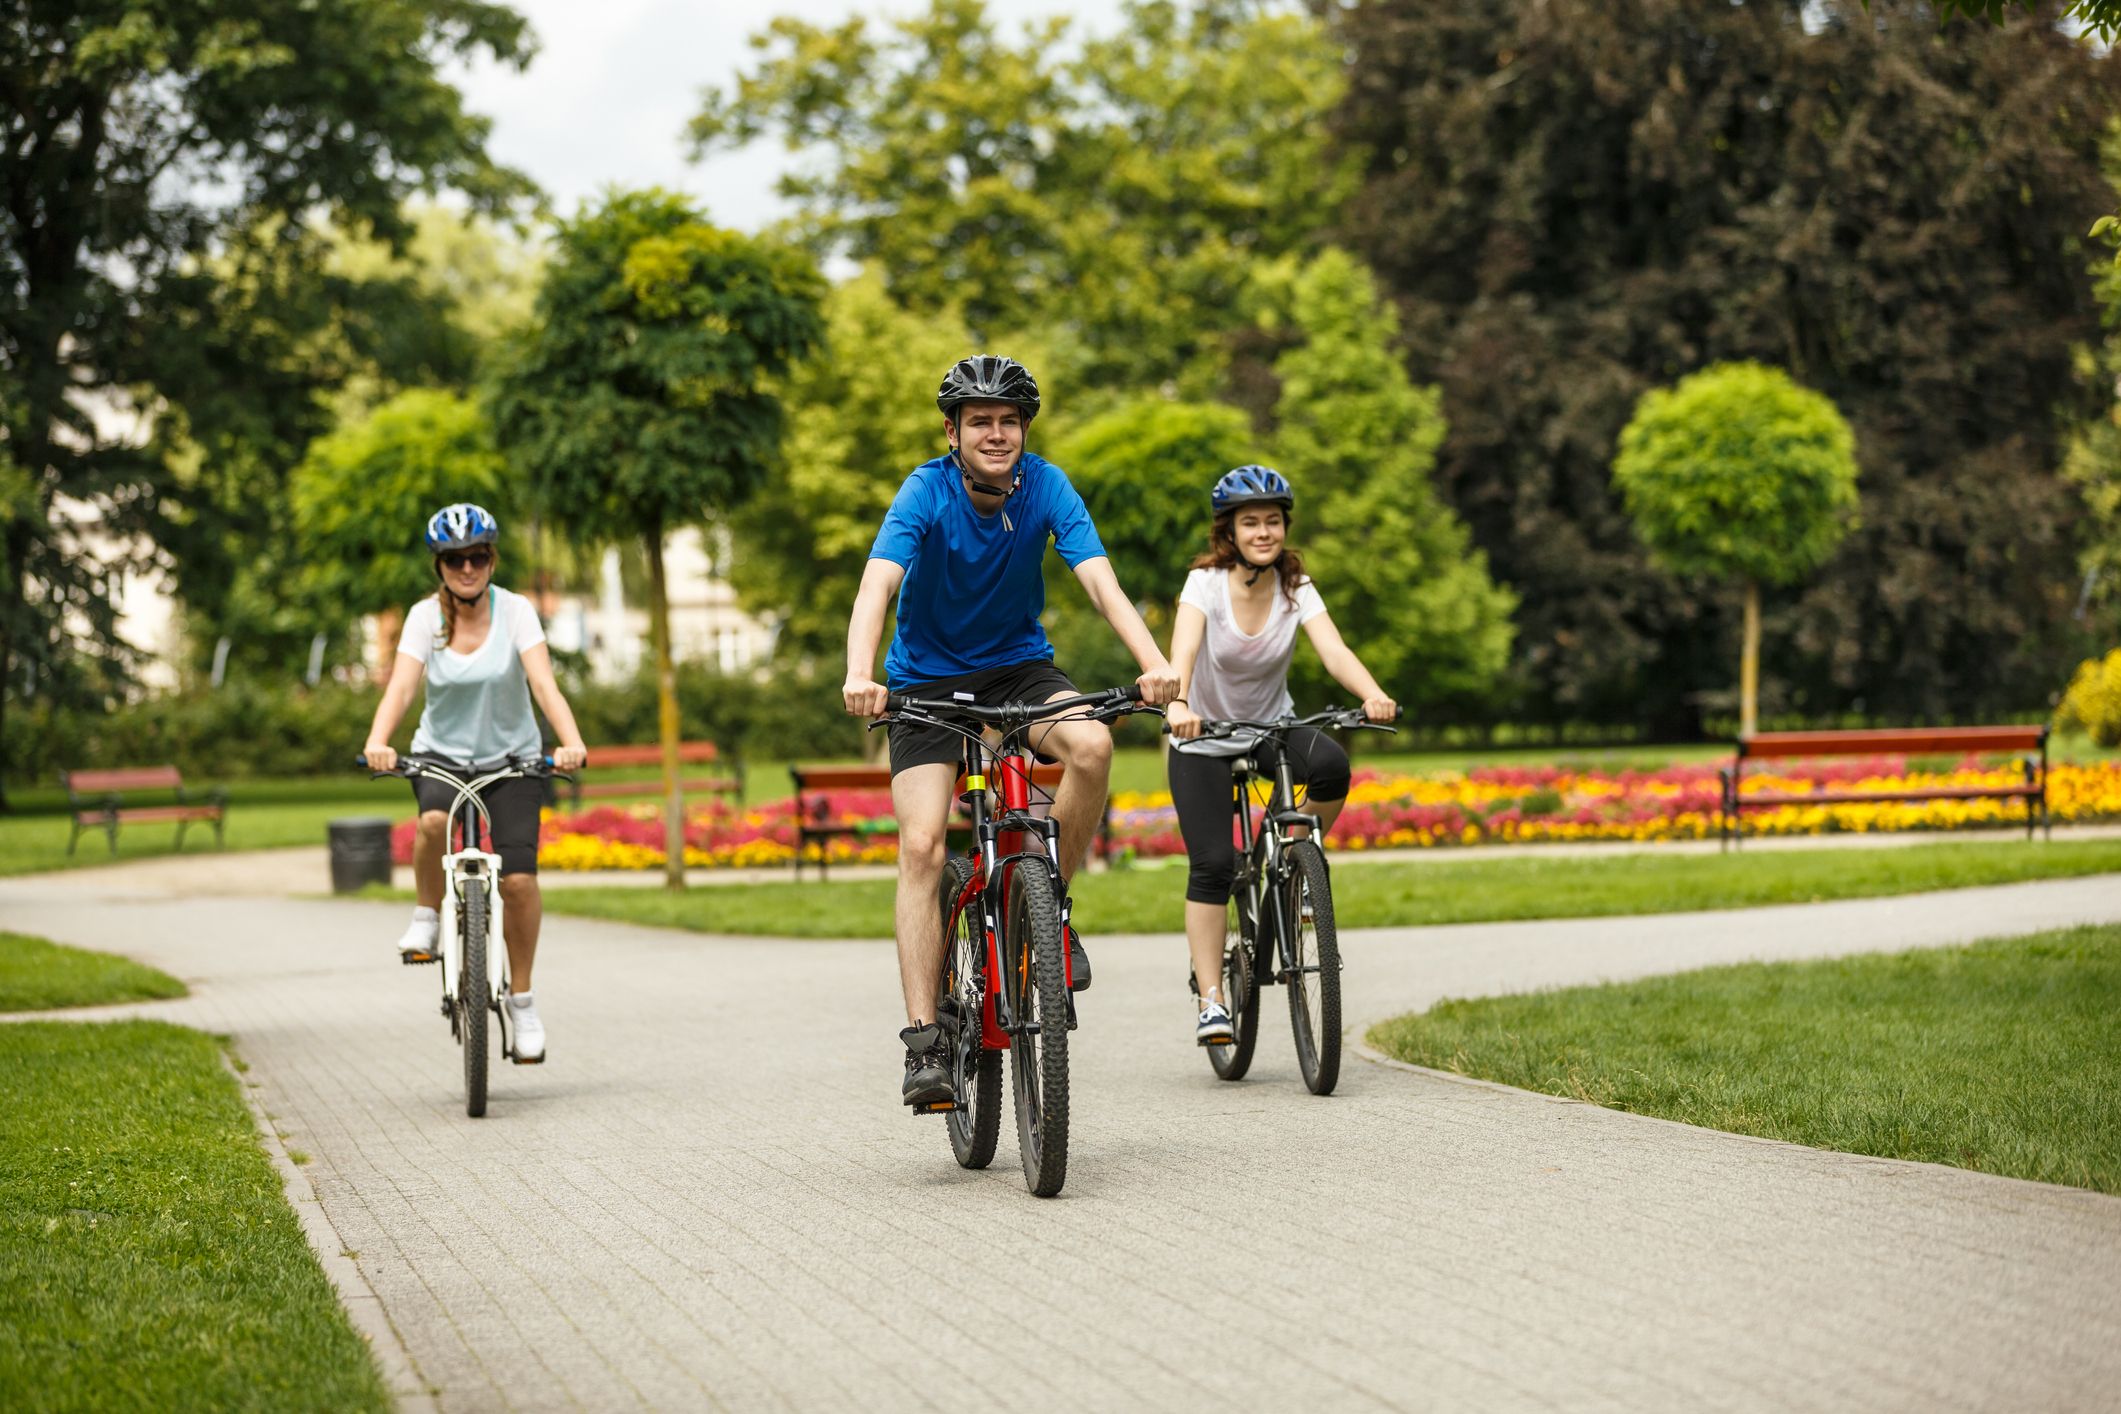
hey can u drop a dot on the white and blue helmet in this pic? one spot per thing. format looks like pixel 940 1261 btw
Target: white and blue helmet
pixel 1252 485
pixel 461 526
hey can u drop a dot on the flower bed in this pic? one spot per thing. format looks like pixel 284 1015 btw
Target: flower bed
pixel 1488 805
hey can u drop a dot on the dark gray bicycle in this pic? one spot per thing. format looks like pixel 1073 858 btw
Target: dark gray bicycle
pixel 1280 926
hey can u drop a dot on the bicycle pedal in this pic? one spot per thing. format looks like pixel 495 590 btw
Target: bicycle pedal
pixel 416 959
pixel 534 1060
pixel 934 1107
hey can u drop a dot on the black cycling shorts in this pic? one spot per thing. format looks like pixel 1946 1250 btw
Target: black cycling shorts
pixel 513 805
pixel 913 744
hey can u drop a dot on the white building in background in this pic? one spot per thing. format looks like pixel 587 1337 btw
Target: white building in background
pixel 706 623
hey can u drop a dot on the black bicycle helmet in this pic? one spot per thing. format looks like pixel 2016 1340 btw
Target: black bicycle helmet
pixel 1249 486
pixel 988 378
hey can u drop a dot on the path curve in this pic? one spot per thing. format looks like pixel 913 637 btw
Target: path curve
pixel 709 1197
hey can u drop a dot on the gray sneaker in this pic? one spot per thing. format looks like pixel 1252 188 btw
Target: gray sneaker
pixel 927 1065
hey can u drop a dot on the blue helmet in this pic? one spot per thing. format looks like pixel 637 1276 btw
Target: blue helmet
pixel 1251 485
pixel 461 526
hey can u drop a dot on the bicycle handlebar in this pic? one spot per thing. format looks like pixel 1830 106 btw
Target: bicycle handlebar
pixel 1342 718
pixel 409 768
pixel 1112 701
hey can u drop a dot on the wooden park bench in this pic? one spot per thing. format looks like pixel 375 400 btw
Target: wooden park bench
pixel 98 801
pixel 814 822
pixel 2029 742
pixel 729 787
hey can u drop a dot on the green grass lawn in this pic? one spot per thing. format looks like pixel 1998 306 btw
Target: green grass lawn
pixel 148 1259
pixel 1998 1057
pixel 1374 893
pixel 35 974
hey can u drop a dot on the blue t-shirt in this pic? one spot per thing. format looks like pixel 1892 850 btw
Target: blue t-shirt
pixel 975 584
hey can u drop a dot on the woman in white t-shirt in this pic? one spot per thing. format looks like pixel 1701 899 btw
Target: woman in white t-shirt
pixel 1232 642
pixel 482 654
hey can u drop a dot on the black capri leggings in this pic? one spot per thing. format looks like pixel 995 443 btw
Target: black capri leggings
pixel 1201 787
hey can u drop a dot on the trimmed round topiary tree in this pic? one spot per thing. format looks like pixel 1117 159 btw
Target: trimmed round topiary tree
pixel 1739 473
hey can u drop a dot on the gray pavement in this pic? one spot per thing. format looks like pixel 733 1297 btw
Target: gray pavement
pixel 709 1198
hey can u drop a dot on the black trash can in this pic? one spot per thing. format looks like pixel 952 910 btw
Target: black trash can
pixel 360 852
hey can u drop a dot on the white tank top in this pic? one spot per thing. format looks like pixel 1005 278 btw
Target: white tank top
pixel 478 703
pixel 1238 675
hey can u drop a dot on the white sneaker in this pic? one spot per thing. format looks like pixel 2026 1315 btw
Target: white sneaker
pixel 525 1031
pixel 421 936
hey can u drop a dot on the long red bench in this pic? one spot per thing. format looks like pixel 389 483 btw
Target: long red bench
pixel 2029 743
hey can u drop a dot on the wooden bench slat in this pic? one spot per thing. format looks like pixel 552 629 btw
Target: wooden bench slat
pixel 127 813
pixel 124 779
pixel 691 753
pixel 1893 740
pixel 606 789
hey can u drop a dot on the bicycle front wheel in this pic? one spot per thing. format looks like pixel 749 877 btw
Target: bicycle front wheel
pixel 975 1071
pixel 1314 954
pixel 474 997
pixel 1240 991
pixel 1038 1054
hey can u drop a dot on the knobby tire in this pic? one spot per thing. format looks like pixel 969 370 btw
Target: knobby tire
pixel 474 998
pixel 975 1071
pixel 1314 997
pixel 1039 1063
pixel 1240 989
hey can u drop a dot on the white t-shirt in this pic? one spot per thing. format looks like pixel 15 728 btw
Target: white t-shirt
pixel 1237 675
pixel 478 703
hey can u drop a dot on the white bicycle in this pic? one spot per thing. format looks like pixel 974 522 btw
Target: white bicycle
pixel 470 945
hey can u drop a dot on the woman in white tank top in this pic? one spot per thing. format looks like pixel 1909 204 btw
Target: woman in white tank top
pixel 1233 639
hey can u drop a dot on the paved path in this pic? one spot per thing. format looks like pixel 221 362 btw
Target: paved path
pixel 710 1199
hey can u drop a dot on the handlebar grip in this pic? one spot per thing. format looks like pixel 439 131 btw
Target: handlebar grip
pixel 361 760
pixel 1132 692
pixel 893 702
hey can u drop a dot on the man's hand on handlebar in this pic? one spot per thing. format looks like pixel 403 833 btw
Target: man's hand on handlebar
pixel 864 698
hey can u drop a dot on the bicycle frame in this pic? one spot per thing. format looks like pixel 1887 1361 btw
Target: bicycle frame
pixel 469 867
pixel 1262 856
pixel 1001 849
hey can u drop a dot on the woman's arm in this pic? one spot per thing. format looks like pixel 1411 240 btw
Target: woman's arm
pixel 1189 626
pixel 545 688
pixel 1347 669
pixel 405 674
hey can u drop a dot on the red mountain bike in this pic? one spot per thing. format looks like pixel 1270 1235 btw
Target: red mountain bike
pixel 1005 977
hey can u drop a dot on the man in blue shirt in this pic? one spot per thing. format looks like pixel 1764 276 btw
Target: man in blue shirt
pixel 963 548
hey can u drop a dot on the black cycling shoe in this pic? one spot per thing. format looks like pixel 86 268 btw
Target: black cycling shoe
pixel 1078 962
pixel 927 1065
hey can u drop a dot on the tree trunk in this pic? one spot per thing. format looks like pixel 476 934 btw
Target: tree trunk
pixel 666 701
pixel 1749 664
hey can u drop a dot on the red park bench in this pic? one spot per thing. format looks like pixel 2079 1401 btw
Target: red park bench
pixel 813 811
pixel 98 801
pixel 729 787
pixel 2029 742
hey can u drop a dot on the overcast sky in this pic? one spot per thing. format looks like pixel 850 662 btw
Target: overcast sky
pixel 614 82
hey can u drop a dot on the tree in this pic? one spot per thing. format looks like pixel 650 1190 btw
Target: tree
pixel 1358 441
pixel 1573 203
pixel 641 397
pixel 1738 473
pixel 1144 471
pixel 363 492
pixel 864 416
pixel 1117 198
pixel 137 139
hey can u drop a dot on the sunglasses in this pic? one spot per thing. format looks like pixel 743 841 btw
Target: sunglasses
pixel 467 559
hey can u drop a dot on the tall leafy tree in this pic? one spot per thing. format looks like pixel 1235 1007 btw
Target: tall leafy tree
pixel 644 395
pixel 1738 474
pixel 1113 196
pixel 137 139
pixel 861 416
pixel 1572 203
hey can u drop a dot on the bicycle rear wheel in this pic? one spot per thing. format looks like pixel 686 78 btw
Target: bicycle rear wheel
pixel 1038 1059
pixel 474 997
pixel 1240 990
pixel 1314 986
pixel 975 1071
